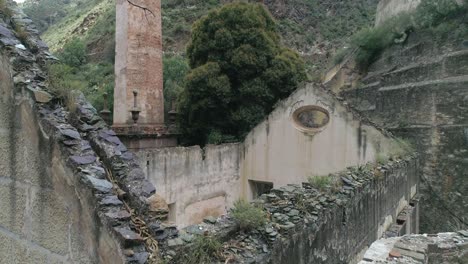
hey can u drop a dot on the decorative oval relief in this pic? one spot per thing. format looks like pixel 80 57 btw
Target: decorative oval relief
pixel 311 119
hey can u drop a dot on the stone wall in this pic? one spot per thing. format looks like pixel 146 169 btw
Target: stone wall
pixel 43 217
pixel 419 91
pixel 442 248
pixel 307 225
pixel 195 183
pixel 390 8
pixel 198 183
pixel 70 192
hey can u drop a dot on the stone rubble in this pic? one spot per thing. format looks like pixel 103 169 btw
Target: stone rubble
pixel 289 209
pixel 443 248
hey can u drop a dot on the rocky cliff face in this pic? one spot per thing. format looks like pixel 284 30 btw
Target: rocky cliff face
pixel 419 91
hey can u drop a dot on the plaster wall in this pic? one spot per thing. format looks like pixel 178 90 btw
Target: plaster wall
pixel 43 218
pixel 275 151
pixel 195 183
pixel 390 8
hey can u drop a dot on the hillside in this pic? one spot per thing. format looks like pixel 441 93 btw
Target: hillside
pixel 315 28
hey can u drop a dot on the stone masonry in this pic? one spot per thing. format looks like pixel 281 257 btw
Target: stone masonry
pixel 138 65
pixel 418 91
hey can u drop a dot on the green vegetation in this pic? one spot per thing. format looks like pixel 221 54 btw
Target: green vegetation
pixel 45 12
pixel 248 216
pixel 203 250
pixel 442 16
pixel 93 22
pixel 239 70
pixel 175 69
pixel 325 182
pixel 73 73
pixel 399 148
pixel 4 8
pixel 74 53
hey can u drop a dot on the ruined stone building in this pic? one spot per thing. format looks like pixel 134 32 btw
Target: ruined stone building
pixel 75 190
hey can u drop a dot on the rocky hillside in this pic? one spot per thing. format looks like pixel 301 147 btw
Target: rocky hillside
pixel 316 28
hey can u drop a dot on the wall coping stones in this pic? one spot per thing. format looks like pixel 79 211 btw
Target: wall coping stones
pixel 87 144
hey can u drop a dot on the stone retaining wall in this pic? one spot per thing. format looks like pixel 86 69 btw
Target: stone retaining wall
pixel 70 192
pixel 310 226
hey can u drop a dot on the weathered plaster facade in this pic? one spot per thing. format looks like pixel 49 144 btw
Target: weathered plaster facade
pixel 195 183
pixel 275 153
pixel 275 147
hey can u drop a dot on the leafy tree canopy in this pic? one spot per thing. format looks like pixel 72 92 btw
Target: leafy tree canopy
pixel 239 70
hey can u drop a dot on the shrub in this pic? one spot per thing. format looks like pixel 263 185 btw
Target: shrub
pixel 203 250
pixel 62 82
pixel 326 182
pixel 372 41
pixel 74 53
pixel 248 216
pixel 430 13
pixel 239 70
pixel 93 80
pixel 340 55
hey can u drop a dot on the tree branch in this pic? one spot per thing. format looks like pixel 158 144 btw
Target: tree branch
pixel 142 7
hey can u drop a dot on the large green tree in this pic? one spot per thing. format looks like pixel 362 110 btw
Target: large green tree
pixel 239 70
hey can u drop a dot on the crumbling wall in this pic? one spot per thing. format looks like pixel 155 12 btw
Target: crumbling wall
pixel 276 148
pixel 195 183
pixel 442 248
pixel 311 226
pixel 42 217
pixel 70 192
pixel 198 183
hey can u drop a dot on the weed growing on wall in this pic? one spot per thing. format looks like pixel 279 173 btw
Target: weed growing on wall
pixel 204 249
pixel 247 216
pixel 325 183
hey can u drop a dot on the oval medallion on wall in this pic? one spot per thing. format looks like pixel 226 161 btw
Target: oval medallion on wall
pixel 311 119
